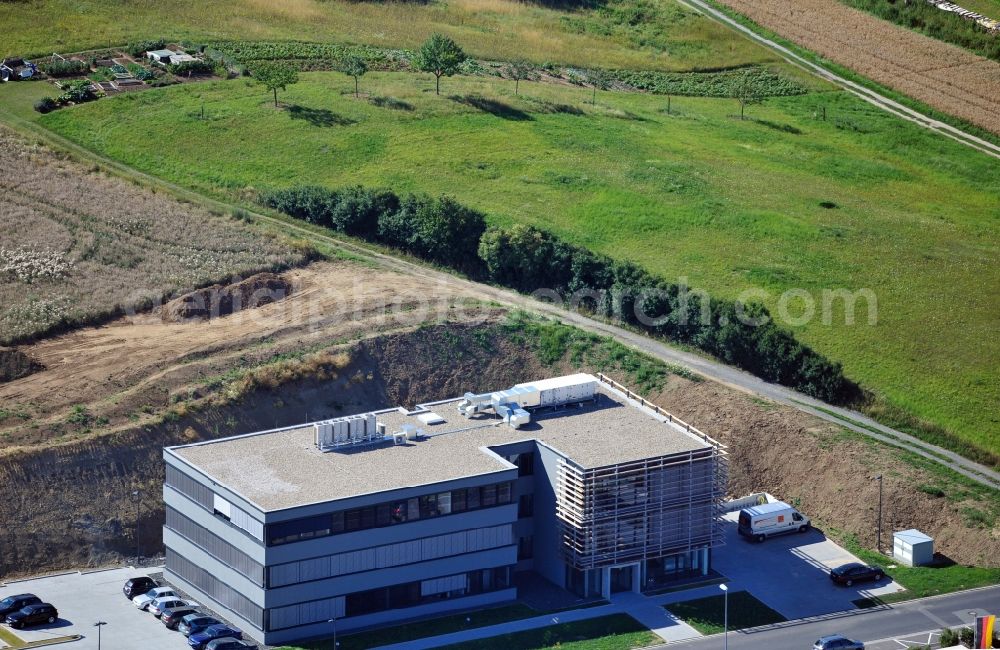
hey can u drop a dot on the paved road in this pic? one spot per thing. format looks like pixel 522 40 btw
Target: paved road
pixel 870 96
pixel 876 627
pixel 709 368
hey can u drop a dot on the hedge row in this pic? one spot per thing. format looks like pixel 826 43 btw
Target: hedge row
pixel 708 84
pixel 528 259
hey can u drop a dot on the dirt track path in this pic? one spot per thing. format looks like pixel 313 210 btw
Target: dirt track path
pixel 868 95
pixel 714 370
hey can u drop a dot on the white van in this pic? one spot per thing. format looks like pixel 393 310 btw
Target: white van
pixel 761 522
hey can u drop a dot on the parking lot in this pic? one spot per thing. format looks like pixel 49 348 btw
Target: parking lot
pixel 86 598
pixel 790 573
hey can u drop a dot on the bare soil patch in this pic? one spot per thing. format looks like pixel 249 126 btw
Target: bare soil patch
pixel 77 246
pixel 221 300
pixel 15 364
pixel 940 75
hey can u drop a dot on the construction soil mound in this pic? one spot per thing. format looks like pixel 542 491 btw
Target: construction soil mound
pixel 15 364
pixel 219 300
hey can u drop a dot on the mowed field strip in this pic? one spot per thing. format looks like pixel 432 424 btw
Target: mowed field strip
pixel 652 34
pixel 940 75
pixel 692 194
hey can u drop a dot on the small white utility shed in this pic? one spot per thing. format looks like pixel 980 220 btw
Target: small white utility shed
pixel 912 548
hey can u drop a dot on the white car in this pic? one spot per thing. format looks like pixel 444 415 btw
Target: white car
pixel 165 602
pixel 145 600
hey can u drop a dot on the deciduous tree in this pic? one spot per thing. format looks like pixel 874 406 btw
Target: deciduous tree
pixel 275 76
pixel 354 66
pixel 440 55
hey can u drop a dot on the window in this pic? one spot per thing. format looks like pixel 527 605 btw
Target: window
pixel 444 503
pixel 472 498
pixel 503 493
pixel 338 522
pixel 525 464
pixel 458 500
pixel 352 520
pixel 526 506
pixel 526 548
pixel 368 517
pixel 383 514
pixel 428 506
pixel 489 496
pixel 298 529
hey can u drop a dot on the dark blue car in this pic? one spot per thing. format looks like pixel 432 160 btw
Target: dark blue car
pixel 195 623
pixel 198 640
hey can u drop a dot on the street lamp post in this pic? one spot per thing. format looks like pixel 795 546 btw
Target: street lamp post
pixel 99 625
pixel 878 533
pixel 725 614
pixel 135 496
pixel 334 621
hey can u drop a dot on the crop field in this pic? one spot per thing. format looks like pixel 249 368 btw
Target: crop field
pixel 865 201
pixel 76 246
pixel 940 75
pixel 652 34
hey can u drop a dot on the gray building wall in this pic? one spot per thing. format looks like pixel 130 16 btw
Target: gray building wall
pixel 229 567
pixel 548 561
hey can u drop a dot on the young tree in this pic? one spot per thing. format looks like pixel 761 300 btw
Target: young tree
pixel 600 80
pixel 520 69
pixel 440 55
pixel 743 89
pixel 275 76
pixel 354 66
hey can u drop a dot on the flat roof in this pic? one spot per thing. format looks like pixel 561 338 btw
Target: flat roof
pixel 284 468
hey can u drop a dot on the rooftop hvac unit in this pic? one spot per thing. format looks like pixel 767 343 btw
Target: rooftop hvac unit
pixel 519 418
pixel 559 390
pixel 399 438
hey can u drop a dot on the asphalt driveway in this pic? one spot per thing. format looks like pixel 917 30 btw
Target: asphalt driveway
pixel 790 573
pixel 86 598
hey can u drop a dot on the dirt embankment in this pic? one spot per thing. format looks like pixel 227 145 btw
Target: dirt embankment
pixel 15 364
pixel 222 300
pixel 773 448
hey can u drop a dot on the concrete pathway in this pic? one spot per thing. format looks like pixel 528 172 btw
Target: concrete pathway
pixel 653 615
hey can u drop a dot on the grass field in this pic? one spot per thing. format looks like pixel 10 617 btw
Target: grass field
pixel 912 216
pixel 707 614
pixel 670 38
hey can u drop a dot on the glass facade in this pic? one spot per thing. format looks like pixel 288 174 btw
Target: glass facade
pixel 410 594
pixel 389 513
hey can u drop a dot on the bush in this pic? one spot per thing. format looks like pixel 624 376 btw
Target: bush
pixel 949 637
pixel 192 67
pixel 762 82
pixel 140 72
pixel 46 105
pixel 527 259
pixel 77 92
pixel 65 68
pixel 139 48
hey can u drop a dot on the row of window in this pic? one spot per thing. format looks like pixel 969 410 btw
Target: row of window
pixel 416 593
pixel 390 513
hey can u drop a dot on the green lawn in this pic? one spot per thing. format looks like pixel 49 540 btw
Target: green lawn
pixel 707 615
pixel 728 204
pixel 615 632
pixel 926 580
pixel 429 627
pixel 668 38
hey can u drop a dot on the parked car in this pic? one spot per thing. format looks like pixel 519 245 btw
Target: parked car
pixel 12 604
pixel 769 519
pixel 137 586
pixel 199 640
pixel 33 615
pixel 848 574
pixel 172 616
pixel 228 644
pixel 157 606
pixel 194 623
pixel 837 642
pixel 145 600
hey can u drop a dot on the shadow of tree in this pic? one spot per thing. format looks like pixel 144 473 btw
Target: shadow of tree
pixel 545 106
pixel 786 128
pixel 318 116
pixel 493 107
pixel 390 102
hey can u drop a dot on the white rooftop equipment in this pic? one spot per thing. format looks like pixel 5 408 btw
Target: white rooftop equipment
pixel 351 430
pixel 430 418
pixel 912 548
pixel 557 391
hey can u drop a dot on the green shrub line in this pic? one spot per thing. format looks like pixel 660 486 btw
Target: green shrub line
pixel 764 82
pixel 527 259
pixel 931 21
